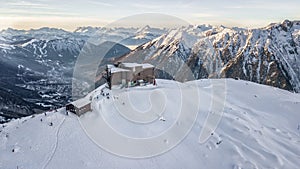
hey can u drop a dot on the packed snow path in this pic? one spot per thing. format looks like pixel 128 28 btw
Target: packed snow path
pixel 259 129
pixel 55 144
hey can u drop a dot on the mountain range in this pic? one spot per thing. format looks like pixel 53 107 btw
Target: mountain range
pixel 268 55
pixel 37 65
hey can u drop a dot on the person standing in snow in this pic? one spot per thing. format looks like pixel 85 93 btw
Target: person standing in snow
pixel 154 82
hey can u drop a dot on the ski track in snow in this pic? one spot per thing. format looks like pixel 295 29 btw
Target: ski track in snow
pixel 258 129
pixel 55 144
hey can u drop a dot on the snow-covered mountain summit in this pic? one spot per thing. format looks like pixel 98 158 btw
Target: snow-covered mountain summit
pixel 268 55
pixel 259 129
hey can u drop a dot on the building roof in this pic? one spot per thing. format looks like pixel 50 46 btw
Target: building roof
pixel 130 64
pixel 144 65
pixel 147 65
pixel 116 69
pixel 109 66
pixel 81 102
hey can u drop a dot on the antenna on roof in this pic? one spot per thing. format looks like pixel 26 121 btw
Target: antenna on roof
pixel 107 76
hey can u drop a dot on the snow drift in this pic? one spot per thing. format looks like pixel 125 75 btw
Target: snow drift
pixel 259 129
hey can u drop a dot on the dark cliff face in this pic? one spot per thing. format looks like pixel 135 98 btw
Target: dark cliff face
pixel 268 55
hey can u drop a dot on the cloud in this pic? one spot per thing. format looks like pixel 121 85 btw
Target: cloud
pixel 101 3
pixel 146 6
pixel 265 5
pixel 26 12
pixel 26 4
pixel 31 8
pixel 235 12
pixel 204 15
pixel 68 23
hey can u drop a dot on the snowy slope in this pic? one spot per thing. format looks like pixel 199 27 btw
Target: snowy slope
pixel 259 129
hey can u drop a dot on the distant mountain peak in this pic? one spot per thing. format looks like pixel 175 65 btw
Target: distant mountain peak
pixel 86 29
pixel 264 55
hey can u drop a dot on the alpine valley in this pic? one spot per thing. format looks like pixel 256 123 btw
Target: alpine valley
pixel 37 65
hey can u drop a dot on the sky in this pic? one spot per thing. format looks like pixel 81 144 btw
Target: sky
pixel 70 14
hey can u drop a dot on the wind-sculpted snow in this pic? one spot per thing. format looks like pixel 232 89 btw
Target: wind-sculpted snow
pixel 259 128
